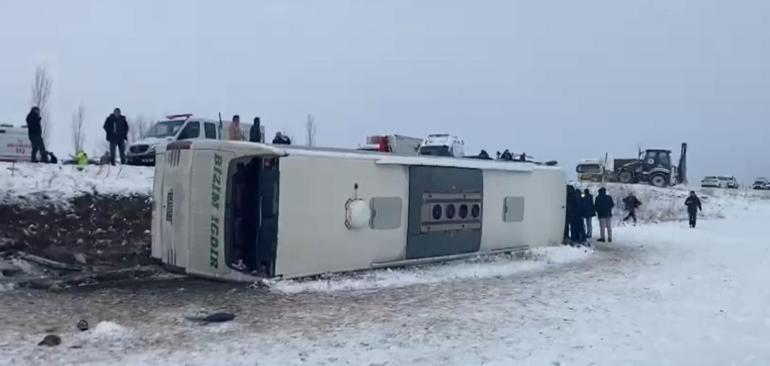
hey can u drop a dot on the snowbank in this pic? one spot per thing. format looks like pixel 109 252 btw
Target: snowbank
pixel 108 331
pixel 667 204
pixel 25 182
pixel 477 268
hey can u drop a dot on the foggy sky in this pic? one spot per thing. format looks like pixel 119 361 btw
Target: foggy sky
pixel 563 80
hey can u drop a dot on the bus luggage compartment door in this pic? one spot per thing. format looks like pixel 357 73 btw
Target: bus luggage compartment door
pixel 445 211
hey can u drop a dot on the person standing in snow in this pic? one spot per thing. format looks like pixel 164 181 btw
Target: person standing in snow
pixel 565 239
pixel 693 206
pixel 574 216
pixel 235 129
pixel 116 129
pixel 255 133
pixel 589 211
pixel 632 204
pixel 604 205
pixel 35 133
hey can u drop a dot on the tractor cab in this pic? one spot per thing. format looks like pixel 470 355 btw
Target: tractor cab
pixel 653 159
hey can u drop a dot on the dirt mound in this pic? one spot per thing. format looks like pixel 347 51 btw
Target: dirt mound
pixel 91 230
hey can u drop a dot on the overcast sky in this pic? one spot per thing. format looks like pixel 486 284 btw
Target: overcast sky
pixel 563 80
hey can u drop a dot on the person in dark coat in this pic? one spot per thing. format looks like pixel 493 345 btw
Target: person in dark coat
pixel 116 130
pixel 35 133
pixel 255 133
pixel 693 206
pixel 574 217
pixel 281 139
pixel 632 204
pixel 589 211
pixel 604 205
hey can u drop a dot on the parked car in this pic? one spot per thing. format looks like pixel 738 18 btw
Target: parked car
pixel 761 184
pixel 710 182
pixel 730 182
pixel 719 182
pixel 442 145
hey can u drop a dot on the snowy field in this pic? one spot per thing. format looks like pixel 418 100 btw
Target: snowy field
pixel 662 294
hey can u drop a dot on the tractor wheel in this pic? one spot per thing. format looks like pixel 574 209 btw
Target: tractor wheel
pixel 659 181
pixel 626 177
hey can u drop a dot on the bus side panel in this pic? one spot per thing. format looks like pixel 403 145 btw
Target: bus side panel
pixel 546 216
pixel 497 232
pixel 312 236
pixel 206 243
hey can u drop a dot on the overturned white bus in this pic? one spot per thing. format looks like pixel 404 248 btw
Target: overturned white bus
pixel 241 211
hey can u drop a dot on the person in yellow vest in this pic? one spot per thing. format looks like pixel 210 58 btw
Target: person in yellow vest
pixel 81 159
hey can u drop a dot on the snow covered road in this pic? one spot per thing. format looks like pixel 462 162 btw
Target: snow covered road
pixel 661 295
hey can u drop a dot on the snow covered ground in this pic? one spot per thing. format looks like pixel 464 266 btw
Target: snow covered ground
pixel 661 295
pixel 55 183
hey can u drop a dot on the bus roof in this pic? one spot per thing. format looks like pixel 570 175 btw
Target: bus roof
pixel 380 158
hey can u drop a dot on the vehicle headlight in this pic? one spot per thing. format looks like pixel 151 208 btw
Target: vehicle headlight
pixel 152 148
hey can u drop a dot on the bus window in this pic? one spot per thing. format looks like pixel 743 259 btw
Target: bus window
pixel 251 235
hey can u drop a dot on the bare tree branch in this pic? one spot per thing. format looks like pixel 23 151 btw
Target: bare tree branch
pixel 78 133
pixel 310 131
pixel 41 94
pixel 138 128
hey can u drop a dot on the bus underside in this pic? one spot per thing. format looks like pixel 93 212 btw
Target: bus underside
pixel 251 234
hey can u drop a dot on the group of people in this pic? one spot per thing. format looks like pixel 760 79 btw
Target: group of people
pixel 255 132
pixel 582 208
pixel 116 133
pixel 115 128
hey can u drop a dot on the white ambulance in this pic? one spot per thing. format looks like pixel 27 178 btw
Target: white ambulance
pixel 14 144
pixel 179 127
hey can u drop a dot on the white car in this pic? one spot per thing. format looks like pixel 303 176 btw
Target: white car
pixel 442 145
pixel 719 182
pixel 710 182
pixel 761 184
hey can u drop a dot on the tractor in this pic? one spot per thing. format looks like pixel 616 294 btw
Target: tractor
pixel 654 167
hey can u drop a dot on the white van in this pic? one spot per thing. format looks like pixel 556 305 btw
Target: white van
pixel 14 144
pixel 442 145
pixel 179 127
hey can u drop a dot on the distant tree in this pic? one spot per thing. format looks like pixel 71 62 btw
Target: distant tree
pixel 143 125
pixel 138 128
pixel 41 94
pixel 78 133
pixel 310 131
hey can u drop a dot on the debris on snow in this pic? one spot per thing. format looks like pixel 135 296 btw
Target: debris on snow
pixel 50 340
